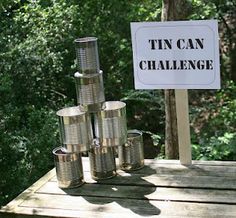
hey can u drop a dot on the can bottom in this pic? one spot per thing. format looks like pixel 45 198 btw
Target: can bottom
pixel 103 175
pixel 70 184
pixel 131 167
pixel 76 148
pixel 91 108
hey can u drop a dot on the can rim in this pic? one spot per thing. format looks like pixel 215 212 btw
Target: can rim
pixel 87 76
pixel 86 39
pixel 134 131
pixel 113 105
pixel 60 149
pixel 70 112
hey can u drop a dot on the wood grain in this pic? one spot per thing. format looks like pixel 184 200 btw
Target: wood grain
pixel 163 188
pixel 166 180
pixel 150 193
pixel 112 207
pixel 182 113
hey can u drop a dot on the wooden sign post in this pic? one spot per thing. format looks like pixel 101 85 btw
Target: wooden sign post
pixel 182 112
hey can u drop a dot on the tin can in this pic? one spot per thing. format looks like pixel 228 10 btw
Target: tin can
pixel 102 162
pixel 69 169
pixel 131 154
pixel 110 124
pixel 90 91
pixel 75 129
pixel 87 55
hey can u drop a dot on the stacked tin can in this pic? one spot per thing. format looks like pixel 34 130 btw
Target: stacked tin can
pixel 95 125
pixel 76 137
pixel 91 99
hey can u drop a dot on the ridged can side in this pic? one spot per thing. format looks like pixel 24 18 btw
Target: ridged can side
pixel 102 162
pixel 87 55
pixel 131 154
pixel 69 169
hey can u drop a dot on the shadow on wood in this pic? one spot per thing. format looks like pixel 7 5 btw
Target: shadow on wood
pixel 116 191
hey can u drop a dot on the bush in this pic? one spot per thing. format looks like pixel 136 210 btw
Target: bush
pixel 214 123
pixel 26 150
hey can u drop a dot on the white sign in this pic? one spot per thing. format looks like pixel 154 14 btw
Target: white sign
pixel 176 55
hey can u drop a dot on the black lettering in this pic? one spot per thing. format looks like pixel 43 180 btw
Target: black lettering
pixel 160 44
pixel 141 65
pixel 209 64
pixel 192 64
pixel 184 65
pixel 168 65
pixel 151 65
pixel 168 43
pixel 200 64
pixel 189 44
pixel 199 42
pixel 161 65
pixel 179 43
pixel 174 64
pixel 152 42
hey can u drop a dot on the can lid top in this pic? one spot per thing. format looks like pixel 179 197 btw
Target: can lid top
pixel 59 151
pixel 113 105
pixel 87 76
pixel 134 133
pixel 86 39
pixel 70 111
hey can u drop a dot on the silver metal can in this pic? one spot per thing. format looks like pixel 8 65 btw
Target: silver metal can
pixel 110 124
pixel 87 55
pixel 131 154
pixel 102 162
pixel 75 129
pixel 90 91
pixel 69 169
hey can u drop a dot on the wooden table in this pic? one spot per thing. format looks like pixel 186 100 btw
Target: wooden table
pixel 163 188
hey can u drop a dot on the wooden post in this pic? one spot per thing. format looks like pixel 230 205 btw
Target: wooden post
pixel 171 135
pixel 185 154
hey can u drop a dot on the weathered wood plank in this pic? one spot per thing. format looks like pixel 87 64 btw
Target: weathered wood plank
pixel 172 167
pixel 211 182
pixel 73 206
pixel 195 162
pixel 177 162
pixel 193 170
pixel 151 193
pixel 24 195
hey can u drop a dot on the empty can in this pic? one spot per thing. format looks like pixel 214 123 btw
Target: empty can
pixel 131 155
pixel 110 124
pixel 87 55
pixel 102 162
pixel 90 91
pixel 69 169
pixel 75 129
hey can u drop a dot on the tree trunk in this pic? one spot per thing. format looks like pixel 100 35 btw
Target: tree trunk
pixel 233 64
pixel 171 135
pixel 172 10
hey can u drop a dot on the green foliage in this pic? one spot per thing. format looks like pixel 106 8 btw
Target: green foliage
pixel 216 138
pixel 25 149
pixel 224 12
pixel 213 117
pixel 216 148
pixel 39 53
pixel 142 107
